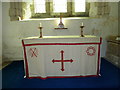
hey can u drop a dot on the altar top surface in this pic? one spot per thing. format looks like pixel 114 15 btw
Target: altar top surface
pixel 63 39
pixel 68 36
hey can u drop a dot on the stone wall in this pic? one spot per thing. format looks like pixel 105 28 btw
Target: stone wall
pixel 102 25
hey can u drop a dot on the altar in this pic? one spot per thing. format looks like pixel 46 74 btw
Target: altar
pixel 61 56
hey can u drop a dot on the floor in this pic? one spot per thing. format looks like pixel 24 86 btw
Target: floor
pixel 13 77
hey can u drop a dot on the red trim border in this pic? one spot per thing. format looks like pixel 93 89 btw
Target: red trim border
pixel 26 63
pixel 59 44
pixel 98 66
pixel 63 77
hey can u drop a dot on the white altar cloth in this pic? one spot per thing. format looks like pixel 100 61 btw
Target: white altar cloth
pixel 61 56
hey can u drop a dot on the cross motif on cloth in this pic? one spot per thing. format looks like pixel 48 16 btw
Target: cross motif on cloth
pixel 33 52
pixel 62 60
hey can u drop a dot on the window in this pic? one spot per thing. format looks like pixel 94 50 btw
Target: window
pixel 79 5
pixel 55 8
pixel 39 6
pixel 60 6
pixel 42 8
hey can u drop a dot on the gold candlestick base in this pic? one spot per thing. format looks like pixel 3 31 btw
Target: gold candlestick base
pixel 40 32
pixel 82 31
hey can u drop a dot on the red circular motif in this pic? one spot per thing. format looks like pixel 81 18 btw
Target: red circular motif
pixel 90 49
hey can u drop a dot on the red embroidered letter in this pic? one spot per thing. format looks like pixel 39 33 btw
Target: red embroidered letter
pixel 33 52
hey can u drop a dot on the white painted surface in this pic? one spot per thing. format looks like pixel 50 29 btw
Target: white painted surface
pixel 14 31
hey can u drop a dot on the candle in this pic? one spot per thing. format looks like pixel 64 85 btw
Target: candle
pixel 82 24
pixel 40 24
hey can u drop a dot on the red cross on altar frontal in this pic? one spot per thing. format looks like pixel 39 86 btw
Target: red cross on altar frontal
pixel 62 60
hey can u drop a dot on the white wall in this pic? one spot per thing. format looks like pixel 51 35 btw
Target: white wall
pixel 0 43
pixel 14 31
pixel 119 19
pixel 0 32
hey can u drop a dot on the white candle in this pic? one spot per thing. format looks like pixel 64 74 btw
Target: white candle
pixel 40 24
pixel 82 24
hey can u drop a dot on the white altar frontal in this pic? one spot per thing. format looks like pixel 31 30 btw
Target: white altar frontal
pixel 61 56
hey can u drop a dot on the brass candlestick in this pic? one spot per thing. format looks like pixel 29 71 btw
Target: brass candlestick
pixel 40 31
pixel 82 31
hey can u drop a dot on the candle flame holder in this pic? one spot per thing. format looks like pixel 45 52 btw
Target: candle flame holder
pixel 82 31
pixel 40 32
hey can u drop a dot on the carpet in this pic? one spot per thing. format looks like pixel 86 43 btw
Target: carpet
pixel 13 77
